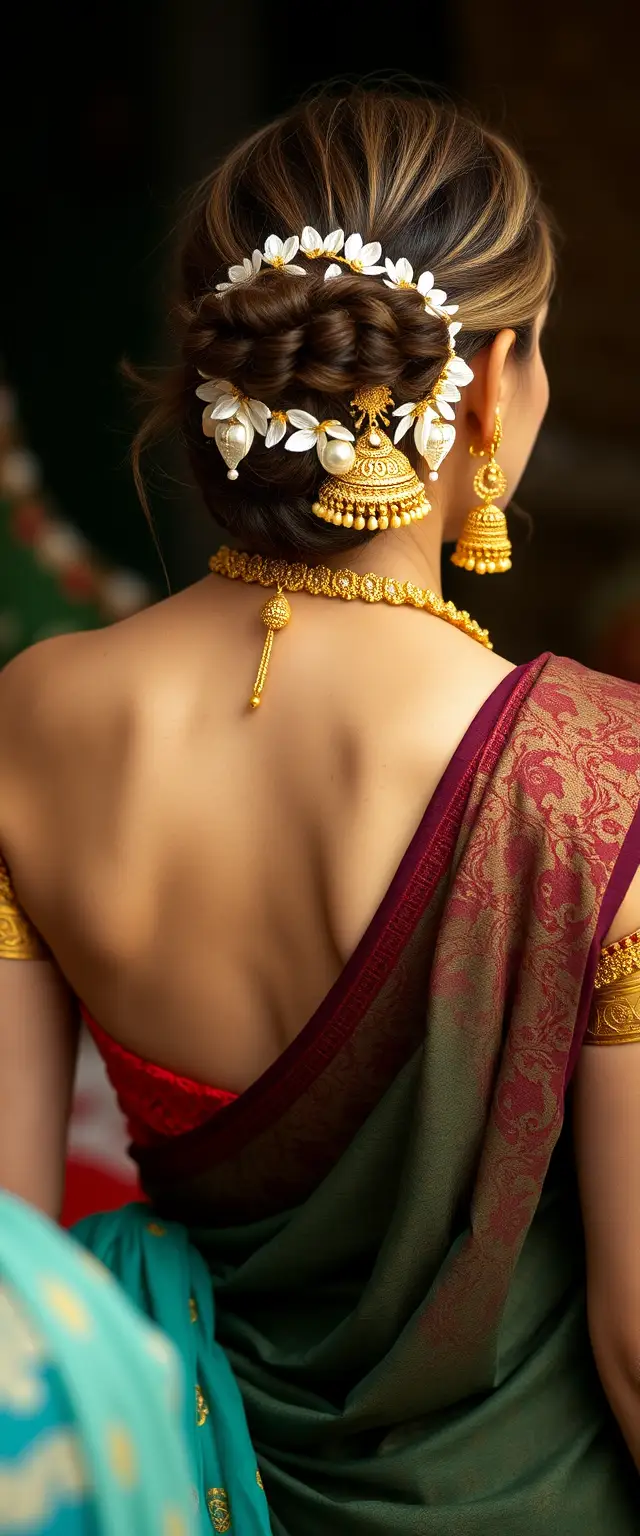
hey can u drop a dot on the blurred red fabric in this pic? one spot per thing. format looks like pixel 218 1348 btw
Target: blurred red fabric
pixel 100 1173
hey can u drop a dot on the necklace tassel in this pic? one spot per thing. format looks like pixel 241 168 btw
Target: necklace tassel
pixel 275 615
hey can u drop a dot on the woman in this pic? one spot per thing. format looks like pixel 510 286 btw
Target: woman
pixel 339 951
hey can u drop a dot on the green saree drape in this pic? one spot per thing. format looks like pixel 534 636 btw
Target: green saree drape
pixel 389 1216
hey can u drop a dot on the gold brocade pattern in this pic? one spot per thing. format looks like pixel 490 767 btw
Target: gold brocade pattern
pixel 202 1406
pixel 218 1507
pixel 259 1479
pixel 18 937
pixel 615 1010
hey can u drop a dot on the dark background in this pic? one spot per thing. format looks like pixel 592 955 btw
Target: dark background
pixel 111 116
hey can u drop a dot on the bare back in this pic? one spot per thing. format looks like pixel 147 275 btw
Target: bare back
pixel 200 872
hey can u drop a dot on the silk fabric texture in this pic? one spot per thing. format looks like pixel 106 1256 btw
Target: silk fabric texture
pixel 389 1217
pixel 90 1396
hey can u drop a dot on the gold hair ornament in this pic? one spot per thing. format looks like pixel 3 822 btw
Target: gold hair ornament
pixel 320 581
pixel 232 418
pixel 380 489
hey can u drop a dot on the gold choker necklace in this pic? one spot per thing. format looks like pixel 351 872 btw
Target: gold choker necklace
pixel 319 581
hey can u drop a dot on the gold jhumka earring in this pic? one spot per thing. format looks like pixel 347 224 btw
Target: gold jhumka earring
pixel 484 545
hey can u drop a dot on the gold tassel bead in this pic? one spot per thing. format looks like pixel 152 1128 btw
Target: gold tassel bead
pixel 275 615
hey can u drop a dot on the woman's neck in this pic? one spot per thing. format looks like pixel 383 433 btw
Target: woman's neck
pixel 407 554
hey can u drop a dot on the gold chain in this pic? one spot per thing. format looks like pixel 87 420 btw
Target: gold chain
pixel 320 581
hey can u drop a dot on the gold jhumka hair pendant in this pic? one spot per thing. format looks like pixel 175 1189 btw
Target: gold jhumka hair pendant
pixel 381 490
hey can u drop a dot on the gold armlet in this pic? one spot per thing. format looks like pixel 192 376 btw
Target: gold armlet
pixel 18 937
pixel 615 1010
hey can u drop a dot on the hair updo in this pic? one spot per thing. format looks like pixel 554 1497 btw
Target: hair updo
pixel 427 182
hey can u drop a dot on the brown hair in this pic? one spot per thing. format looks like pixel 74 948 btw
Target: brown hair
pixel 426 181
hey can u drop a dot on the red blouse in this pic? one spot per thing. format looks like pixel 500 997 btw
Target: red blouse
pixel 156 1103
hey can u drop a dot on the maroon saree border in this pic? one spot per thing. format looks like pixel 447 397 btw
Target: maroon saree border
pixel 411 888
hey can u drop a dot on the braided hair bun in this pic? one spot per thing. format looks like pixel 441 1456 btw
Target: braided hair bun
pixel 427 184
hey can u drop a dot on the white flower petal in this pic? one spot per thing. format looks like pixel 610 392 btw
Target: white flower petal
pixel 445 409
pixel 311 239
pixel 369 253
pixel 226 407
pixel 423 429
pixel 210 390
pixel 239 274
pixel 353 248
pixel 421 433
pixel 388 283
pixel 295 271
pixel 404 268
pixel 258 414
pixel 299 442
pixel 302 419
pixel 290 248
pixel 437 297
pixel 425 283
pixel 223 287
pixel 273 248
pixel 333 271
pixel 454 328
pixel 449 391
pixel 391 269
pixel 459 371
pixel 402 427
pixel 451 309
pixel 334 242
pixel 406 409
pixel 275 432
pixel 256 260
pixel 372 271
pixel 336 429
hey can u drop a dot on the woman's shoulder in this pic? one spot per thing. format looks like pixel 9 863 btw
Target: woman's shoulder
pixel 60 702
pixel 44 685
pixel 76 677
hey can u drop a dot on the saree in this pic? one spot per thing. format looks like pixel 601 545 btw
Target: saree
pixel 89 1397
pixel 389 1216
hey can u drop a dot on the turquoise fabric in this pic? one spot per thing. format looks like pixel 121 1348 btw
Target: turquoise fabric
pixel 168 1279
pixel 90 1397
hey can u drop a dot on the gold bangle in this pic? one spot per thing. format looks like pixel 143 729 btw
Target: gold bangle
pixel 615 1013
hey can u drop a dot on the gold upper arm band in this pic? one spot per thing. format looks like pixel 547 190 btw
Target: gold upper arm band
pixel 18 937
pixel 615 1009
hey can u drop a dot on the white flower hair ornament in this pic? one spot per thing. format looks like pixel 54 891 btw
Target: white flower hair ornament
pixel 232 418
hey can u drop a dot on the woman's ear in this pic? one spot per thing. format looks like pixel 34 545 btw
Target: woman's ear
pixel 490 389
